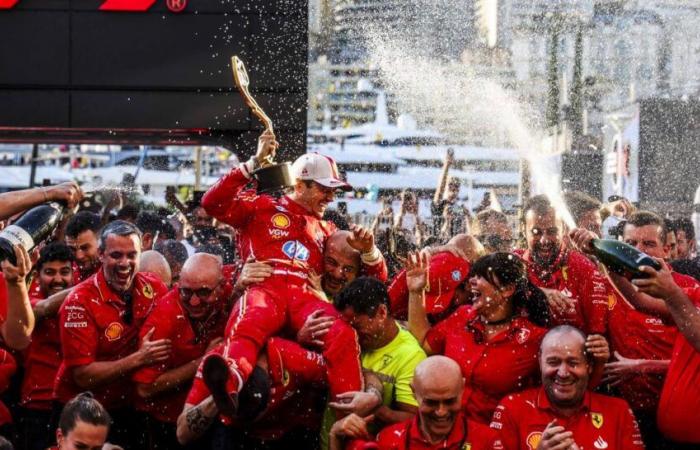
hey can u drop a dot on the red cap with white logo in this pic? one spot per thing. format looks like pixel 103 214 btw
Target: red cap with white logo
pixel 319 168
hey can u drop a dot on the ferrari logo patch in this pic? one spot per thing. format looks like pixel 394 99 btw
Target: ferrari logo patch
pixel 147 291
pixel 597 419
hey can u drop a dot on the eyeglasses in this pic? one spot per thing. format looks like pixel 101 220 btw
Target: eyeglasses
pixel 201 293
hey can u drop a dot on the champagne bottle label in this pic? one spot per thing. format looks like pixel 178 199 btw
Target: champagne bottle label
pixel 17 236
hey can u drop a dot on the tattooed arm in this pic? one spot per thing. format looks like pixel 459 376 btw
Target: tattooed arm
pixel 195 420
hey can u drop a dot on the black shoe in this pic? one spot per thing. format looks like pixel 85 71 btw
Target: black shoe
pixel 216 374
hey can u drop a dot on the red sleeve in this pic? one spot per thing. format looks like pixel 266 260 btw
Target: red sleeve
pixel 227 200
pixel 392 437
pixel 79 334
pixel 377 270
pixel 629 438
pixel 436 335
pixel 199 391
pixel 595 305
pixel 505 427
pixel 8 367
pixel 162 321
pixel 398 296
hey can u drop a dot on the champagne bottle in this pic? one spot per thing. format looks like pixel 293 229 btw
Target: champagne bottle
pixel 33 227
pixel 622 258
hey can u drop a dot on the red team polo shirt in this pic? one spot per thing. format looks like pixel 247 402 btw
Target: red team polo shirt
pixel 602 423
pixel 637 335
pixel 679 408
pixel 170 321
pixel 41 362
pixel 465 435
pixel 577 277
pixel 8 367
pixel 491 369
pixel 297 379
pixel 93 329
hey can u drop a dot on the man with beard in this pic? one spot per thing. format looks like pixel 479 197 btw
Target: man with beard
pixel 289 234
pixel 81 237
pixel 642 342
pixel 99 323
pixel 563 413
pixel 439 423
pixel 576 291
pixel 54 272
pixel 192 317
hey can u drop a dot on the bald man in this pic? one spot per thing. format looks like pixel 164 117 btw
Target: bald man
pixel 439 424
pixel 563 413
pixel 192 317
pixel 154 262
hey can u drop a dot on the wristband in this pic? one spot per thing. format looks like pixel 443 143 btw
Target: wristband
pixel 375 391
pixel 250 166
pixel 372 257
pixel 46 197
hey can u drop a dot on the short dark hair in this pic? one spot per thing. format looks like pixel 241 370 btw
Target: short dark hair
pixel 81 222
pixel 670 225
pixel 83 408
pixel 128 212
pixel 55 251
pixel 643 218
pixel 119 228
pixel 173 248
pixel 149 222
pixel 539 204
pixel 686 225
pixel 579 203
pixel 364 295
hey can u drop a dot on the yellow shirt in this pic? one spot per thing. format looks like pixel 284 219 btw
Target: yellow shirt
pixel 394 365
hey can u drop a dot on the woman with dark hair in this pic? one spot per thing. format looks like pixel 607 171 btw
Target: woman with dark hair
pixel 84 424
pixel 495 339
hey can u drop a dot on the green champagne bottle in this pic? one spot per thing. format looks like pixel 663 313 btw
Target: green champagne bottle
pixel 622 258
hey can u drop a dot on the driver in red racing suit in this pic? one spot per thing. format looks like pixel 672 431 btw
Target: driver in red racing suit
pixel 288 234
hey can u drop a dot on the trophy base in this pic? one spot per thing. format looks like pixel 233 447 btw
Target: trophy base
pixel 274 178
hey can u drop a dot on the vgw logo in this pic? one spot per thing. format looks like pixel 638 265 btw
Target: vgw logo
pixel 175 6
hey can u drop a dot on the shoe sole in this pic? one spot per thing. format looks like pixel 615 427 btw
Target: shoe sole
pixel 215 374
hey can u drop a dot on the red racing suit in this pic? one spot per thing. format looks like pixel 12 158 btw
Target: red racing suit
pixel 291 239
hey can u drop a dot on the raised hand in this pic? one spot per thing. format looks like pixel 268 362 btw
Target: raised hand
pixel 417 265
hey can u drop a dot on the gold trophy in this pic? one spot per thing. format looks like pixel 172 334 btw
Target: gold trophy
pixel 270 176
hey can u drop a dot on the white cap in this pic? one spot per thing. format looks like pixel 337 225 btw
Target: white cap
pixel 319 168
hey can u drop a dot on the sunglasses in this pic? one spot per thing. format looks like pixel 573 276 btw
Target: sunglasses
pixel 201 293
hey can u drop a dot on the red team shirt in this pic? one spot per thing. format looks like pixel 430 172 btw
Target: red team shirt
pixel 491 369
pixel 41 362
pixel 465 435
pixel 170 321
pixel 602 423
pixel 637 335
pixel 575 276
pixel 679 408
pixel 93 329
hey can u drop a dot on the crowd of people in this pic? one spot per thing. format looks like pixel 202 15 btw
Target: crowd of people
pixel 245 320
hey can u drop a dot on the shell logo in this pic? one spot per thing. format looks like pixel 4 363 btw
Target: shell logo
pixel 280 221
pixel 533 440
pixel 612 301
pixel 114 331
